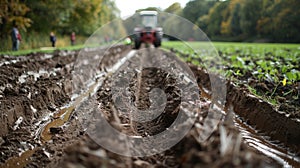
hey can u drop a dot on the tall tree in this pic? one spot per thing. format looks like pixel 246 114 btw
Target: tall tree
pixel 13 12
pixel 250 14
pixel 84 16
pixel 47 15
pixel 216 15
pixel 197 8
pixel 286 21
pixel 175 8
pixel 81 16
pixel 230 25
pixel 280 20
pixel 235 20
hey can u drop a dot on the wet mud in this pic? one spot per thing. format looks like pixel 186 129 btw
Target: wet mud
pixel 258 113
pixel 41 113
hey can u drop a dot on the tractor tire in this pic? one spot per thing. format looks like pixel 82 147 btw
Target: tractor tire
pixel 137 43
pixel 157 42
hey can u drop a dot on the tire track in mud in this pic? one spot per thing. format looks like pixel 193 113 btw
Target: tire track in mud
pixel 187 153
pixel 24 101
pixel 36 112
pixel 71 146
pixel 64 114
pixel 46 86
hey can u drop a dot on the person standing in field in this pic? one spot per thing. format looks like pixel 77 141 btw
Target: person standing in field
pixel 52 39
pixel 73 38
pixel 16 38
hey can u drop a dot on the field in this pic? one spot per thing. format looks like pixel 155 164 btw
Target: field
pixel 53 105
pixel 270 71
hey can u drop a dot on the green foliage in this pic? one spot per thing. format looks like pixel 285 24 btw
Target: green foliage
pixel 63 17
pixel 215 17
pixel 39 18
pixel 175 8
pixel 247 19
pixel 268 70
pixel 13 13
pixel 249 16
pixel 196 8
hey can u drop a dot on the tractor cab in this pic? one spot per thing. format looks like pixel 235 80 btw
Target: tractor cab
pixel 149 33
pixel 149 19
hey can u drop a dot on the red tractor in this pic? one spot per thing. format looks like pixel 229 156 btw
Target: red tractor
pixel 149 33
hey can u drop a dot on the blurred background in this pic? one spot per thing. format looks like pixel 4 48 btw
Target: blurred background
pixel 227 20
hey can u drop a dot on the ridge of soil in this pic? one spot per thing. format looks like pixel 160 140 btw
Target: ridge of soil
pixel 258 113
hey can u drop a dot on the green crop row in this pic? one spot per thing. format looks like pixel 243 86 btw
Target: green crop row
pixel 269 70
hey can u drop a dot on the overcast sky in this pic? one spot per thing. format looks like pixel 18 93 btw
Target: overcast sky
pixel 128 7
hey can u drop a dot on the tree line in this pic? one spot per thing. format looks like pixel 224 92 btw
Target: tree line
pixel 221 20
pixel 39 18
pixel 244 20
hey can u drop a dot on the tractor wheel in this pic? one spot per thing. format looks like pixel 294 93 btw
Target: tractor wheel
pixel 137 43
pixel 157 42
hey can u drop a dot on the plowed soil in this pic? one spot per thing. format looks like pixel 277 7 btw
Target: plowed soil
pixel 41 113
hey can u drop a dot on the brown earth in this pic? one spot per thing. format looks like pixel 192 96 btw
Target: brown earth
pixel 36 87
pixel 258 113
